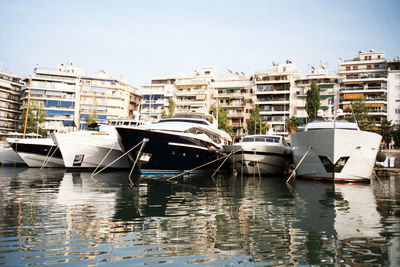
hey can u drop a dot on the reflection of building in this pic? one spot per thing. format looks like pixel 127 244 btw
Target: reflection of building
pixel 234 93
pixel 274 92
pixel 10 88
pixel 365 77
pixel 328 86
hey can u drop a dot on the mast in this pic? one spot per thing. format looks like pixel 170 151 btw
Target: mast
pixel 27 107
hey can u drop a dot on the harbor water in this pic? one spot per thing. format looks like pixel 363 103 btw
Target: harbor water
pixel 56 217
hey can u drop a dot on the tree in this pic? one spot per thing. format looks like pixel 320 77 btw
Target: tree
pixel 386 131
pixel 396 135
pixel 313 100
pixel 291 124
pixel 171 109
pixel 360 112
pixel 36 116
pixel 222 119
pixel 256 125
pixel 91 121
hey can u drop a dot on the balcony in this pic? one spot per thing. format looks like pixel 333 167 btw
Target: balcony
pixel 274 112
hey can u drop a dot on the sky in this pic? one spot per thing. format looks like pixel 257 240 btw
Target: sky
pixel 139 40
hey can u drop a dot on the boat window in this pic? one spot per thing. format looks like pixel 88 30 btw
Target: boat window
pixel 260 139
pixel 126 122
pixel 248 139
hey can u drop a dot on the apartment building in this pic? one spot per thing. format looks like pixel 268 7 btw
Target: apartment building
pixel 10 89
pixel 193 92
pixel 365 77
pixel 54 91
pixel 274 91
pixel 106 97
pixel 329 90
pixel 155 97
pixel 234 93
pixel 393 90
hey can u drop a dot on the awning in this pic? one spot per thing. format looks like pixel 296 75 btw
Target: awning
pixel 353 96
pixel 201 97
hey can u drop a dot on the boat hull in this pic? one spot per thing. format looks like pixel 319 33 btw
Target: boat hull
pixel 167 153
pixel 80 150
pixel 35 151
pixel 339 155
pixel 256 158
pixel 8 157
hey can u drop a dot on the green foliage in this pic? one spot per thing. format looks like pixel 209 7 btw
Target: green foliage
pixel 164 114
pixel 291 124
pixel 91 121
pixel 313 100
pixel 396 135
pixel 36 116
pixel 171 107
pixel 256 125
pixel 223 123
pixel 360 112
pixel 386 131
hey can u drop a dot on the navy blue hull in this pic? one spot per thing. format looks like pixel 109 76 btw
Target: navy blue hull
pixel 168 153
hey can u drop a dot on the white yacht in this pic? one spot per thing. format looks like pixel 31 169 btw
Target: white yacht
pixel 260 154
pixel 88 149
pixel 37 151
pixel 335 150
pixel 175 145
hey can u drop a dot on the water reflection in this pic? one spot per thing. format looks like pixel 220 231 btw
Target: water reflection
pixel 53 216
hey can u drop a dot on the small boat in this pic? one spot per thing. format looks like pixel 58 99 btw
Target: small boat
pixel 8 157
pixel 335 150
pixel 37 151
pixel 175 145
pixel 260 154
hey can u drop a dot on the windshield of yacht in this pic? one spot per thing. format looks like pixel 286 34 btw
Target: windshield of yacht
pixel 269 139
pixel 185 120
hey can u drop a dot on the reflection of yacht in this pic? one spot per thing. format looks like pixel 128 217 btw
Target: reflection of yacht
pixel 175 145
pixel 87 149
pixel 35 151
pixel 79 191
pixel 337 150
pixel 8 157
pixel 356 211
pixel 260 154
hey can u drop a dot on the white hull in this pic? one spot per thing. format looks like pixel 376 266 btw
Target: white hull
pixel 36 160
pixel 257 158
pixel 8 157
pixel 34 152
pixel 87 150
pixel 335 154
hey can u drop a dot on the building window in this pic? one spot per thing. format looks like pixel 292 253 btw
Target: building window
pixel 355 67
pixel 348 68
pixel 368 67
pixel 376 66
pixel 379 56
